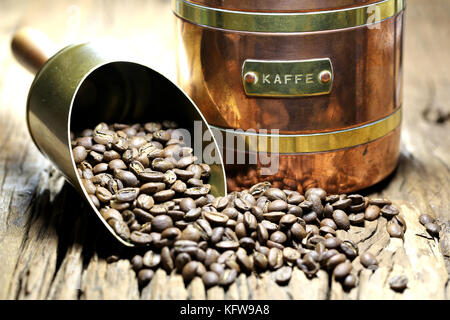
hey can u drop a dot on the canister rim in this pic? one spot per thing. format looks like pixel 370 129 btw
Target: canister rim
pixel 283 6
pixel 287 22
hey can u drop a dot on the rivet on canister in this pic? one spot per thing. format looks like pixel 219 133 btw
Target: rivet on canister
pixel 325 76
pixel 251 78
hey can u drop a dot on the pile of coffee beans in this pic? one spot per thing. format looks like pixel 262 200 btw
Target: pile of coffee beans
pixel 430 225
pixel 148 187
pixel 137 175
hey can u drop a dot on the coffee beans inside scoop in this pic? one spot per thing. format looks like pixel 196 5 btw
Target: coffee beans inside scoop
pixel 149 188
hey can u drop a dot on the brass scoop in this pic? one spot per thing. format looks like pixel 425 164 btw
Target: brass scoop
pixel 84 84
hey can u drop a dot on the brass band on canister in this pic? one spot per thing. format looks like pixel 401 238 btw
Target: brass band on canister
pixel 316 142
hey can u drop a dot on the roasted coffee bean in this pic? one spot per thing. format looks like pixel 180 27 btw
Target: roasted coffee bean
pixel 135 226
pixel 232 213
pixel 425 218
pixel 325 256
pixel 227 245
pixel 152 187
pixel 218 268
pixel 171 233
pixel 136 263
pixel 210 279
pixel 260 261
pixel 287 220
pixel 310 217
pixel 394 230
pixel 186 162
pixel 332 243
pixel 327 230
pixel 356 218
pixel 350 249
pixel 103 194
pixel 190 233
pixel 181 260
pixel 295 198
pixel 291 254
pixel 100 168
pixel 329 223
pixel 328 211
pixel 275 194
pixel 166 260
pixel 368 260
pixel 341 204
pixel 277 205
pixel 349 281
pixel 127 194
pixel 117 164
pixel 312 229
pixel 193 182
pixel 278 237
pixel 228 277
pixel 151 176
pixel 245 262
pixel 400 221
pixel 334 260
pixel 389 211
pixel 283 275
pixel 433 229
pixel 108 214
pixel 317 192
pixel 89 186
pixel 145 202
pixel 197 191
pixel 140 238
pixel 250 221
pixel 114 185
pixel 128 179
pixel 273 244
pixel 341 219
pixel 240 230
pixel 79 154
pixel 164 195
pixel 226 255
pixel 298 231
pixel 342 270
pixel 380 202
pixel 146 227
pixel 161 222
pixel 204 228
pixel 372 213
pixel 317 206
pixel 128 216
pixel 274 216
pixel 151 259
pixel 190 270
pixel 306 205
pixel 142 215
pixel 216 218
pixel 398 283
pixel 145 276
pixel 275 258
pixel 120 228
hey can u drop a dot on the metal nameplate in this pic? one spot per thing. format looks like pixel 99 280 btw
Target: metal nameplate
pixel 294 78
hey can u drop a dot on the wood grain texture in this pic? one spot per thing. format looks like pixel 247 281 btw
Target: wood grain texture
pixel 52 247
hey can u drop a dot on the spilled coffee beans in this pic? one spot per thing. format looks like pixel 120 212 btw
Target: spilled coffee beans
pixel 149 188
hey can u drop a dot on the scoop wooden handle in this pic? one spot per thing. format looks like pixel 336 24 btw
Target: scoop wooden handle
pixel 32 48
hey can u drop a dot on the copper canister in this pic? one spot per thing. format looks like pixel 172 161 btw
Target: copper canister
pixel 317 83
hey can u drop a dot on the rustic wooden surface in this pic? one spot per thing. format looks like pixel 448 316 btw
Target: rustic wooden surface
pixel 51 246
